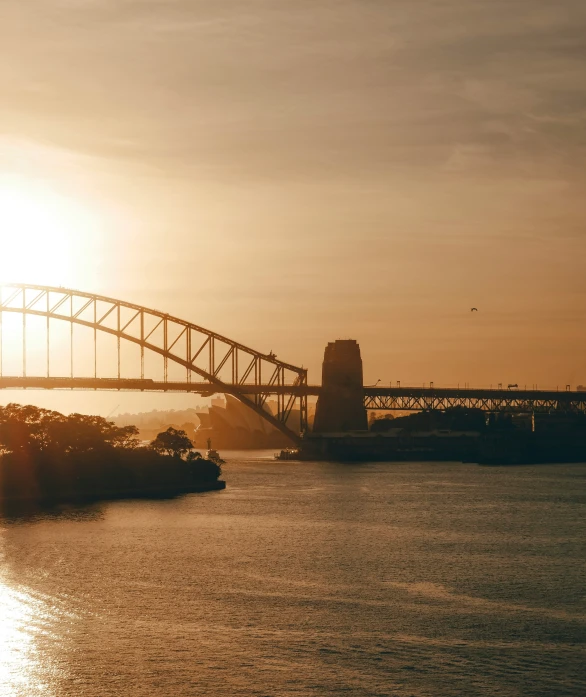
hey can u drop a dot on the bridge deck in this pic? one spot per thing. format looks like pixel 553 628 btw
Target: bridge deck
pixel 375 398
pixel 145 385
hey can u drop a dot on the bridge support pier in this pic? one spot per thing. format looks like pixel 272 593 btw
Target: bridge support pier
pixel 340 406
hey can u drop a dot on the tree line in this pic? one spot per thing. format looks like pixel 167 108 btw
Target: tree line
pixel 48 457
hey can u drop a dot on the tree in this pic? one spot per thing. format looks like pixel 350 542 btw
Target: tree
pixel 30 429
pixel 173 441
pixel 82 433
pixel 26 428
pixel 126 437
pixel 204 470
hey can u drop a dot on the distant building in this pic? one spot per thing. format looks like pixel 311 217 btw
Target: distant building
pixel 235 426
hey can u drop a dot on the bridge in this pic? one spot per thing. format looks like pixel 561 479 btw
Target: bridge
pixel 211 363
pixel 375 398
pixel 224 365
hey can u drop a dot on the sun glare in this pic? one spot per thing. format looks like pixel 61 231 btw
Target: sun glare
pixel 40 232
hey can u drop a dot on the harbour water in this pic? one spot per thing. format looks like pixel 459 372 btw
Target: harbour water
pixel 415 580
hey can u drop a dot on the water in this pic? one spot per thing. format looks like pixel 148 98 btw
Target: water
pixel 306 579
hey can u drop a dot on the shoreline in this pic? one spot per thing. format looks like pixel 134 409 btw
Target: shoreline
pixel 145 493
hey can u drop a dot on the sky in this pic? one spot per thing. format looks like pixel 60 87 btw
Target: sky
pixel 290 173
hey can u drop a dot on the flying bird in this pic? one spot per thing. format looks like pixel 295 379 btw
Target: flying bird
pixel 473 309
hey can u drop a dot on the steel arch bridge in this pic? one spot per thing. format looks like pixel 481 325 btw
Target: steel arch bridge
pixel 219 364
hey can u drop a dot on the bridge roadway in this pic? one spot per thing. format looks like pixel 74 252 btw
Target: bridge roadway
pixel 375 398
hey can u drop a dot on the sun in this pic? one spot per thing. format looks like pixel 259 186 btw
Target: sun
pixel 40 234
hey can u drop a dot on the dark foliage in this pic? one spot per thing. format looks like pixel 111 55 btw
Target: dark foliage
pixel 453 419
pixel 48 457
pixel 173 441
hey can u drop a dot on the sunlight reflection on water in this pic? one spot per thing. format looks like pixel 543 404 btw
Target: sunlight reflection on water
pixel 22 619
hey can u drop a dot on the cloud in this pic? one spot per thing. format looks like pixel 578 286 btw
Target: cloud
pixel 310 89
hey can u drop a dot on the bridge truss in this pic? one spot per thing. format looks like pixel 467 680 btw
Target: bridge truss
pixel 514 401
pixel 212 363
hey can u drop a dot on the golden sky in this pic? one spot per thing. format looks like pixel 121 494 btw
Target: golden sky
pixel 289 173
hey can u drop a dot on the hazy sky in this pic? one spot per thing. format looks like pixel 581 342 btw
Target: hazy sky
pixel 289 173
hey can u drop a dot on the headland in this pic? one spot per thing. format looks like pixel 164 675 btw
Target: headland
pixel 48 458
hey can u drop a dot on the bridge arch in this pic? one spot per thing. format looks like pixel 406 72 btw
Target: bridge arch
pixel 225 365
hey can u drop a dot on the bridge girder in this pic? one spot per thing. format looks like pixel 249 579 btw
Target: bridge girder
pixel 404 399
pixel 226 365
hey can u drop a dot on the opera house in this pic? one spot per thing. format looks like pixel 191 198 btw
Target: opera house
pixel 236 427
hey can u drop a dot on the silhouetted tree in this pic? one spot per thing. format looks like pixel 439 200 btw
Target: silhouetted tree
pixel 25 428
pixel 82 433
pixel 28 428
pixel 204 470
pixel 173 441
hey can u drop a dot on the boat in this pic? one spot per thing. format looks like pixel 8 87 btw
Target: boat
pixel 213 455
pixel 287 454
